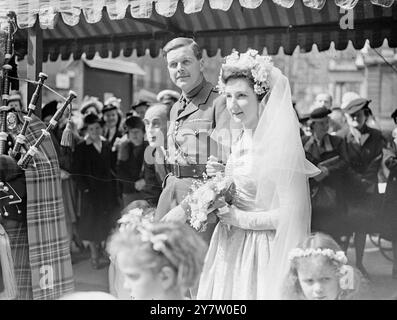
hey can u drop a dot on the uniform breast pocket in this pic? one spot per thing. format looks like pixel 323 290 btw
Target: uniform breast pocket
pixel 197 127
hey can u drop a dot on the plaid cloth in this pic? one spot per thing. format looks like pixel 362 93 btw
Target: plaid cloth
pixel 20 255
pixel 50 263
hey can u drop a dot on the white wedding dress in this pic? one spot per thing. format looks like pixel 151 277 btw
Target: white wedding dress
pixel 237 257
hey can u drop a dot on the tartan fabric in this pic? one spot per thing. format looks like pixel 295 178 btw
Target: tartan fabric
pixel 48 241
pixel 20 255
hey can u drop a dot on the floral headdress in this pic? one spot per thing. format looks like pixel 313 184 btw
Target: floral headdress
pixel 346 280
pixel 338 256
pixel 143 225
pixel 260 67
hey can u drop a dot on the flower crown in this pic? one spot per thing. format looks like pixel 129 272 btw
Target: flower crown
pixel 260 67
pixel 338 256
pixel 136 220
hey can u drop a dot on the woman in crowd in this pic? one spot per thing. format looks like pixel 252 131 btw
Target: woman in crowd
pixel 364 152
pixel 91 169
pixel 130 157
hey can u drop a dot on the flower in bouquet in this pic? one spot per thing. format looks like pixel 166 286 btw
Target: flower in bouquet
pixel 207 196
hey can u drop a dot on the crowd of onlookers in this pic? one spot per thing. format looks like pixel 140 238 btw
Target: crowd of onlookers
pixel 345 142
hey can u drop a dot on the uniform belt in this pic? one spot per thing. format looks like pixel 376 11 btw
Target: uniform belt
pixel 188 171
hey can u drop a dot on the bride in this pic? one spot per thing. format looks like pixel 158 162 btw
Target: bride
pixel 270 215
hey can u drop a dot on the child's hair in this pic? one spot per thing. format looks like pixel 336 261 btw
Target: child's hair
pixel 159 244
pixel 315 245
pixel 88 295
pixel 138 204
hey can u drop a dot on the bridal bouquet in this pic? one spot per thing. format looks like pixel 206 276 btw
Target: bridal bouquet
pixel 207 196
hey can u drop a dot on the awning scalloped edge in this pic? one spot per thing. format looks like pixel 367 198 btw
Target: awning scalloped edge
pixel 48 10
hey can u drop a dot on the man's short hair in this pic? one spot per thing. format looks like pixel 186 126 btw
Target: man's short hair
pixel 182 42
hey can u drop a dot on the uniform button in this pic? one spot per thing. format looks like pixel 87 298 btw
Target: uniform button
pixel 194 170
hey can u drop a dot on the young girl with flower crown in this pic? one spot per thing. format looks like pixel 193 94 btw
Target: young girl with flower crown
pixel 160 261
pixel 319 271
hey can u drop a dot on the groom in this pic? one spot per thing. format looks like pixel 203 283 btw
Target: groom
pixel 194 119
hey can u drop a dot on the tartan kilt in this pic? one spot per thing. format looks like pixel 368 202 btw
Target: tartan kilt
pixel 49 247
pixel 18 237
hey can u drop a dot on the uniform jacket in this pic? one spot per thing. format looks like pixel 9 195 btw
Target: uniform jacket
pixel 190 140
pixel 190 130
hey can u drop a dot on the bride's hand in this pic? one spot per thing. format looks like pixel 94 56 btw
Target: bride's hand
pixel 228 215
pixel 214 166
pixel 176 214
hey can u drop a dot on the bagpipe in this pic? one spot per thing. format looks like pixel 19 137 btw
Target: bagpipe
pixel 16 153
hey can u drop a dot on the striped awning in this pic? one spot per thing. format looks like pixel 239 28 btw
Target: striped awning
pixel 74 27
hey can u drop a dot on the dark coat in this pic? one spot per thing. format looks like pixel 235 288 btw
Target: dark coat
pixel 130 165
pixel 155 171
pixel 93 176
pixel 328 195
pixel 362 179
pixel 390 197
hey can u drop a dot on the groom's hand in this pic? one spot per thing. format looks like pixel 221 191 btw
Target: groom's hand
pixel 176 214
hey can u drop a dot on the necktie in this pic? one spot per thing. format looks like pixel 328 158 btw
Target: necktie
pixel 183 105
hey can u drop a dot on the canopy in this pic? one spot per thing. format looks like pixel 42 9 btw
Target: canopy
pixel 74 27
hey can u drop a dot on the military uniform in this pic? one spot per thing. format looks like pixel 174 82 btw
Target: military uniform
pixel 193 120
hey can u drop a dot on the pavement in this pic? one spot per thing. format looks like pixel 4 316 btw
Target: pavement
pixel 381 286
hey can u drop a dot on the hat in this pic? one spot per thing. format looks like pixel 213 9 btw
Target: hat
pixel 133 122
pixel 111 104
pixel 171 93
pixel 91 102
pixel 91 118
pixel 348 97
pixel 303 117
pixel 140 104
pixel 15 96
pixel 319 113
pixel 394 115
pixel 49 109
pixel 356 105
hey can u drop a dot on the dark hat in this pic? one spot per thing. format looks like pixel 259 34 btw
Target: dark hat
pixel 49 109
pixel 319 113
pixel 140 104
pixel 303 117
pixel 109 107
pixel 133 122
pixel 91 118
pixel 356 105
pixel 394 115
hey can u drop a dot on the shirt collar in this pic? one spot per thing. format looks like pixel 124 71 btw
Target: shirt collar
pixel 195 91
pixel 89 141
